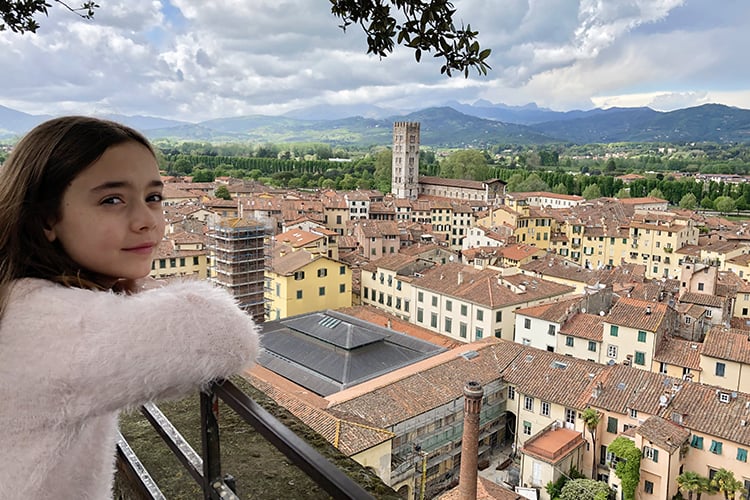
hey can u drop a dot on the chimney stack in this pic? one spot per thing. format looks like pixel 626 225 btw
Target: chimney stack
pixel 467 483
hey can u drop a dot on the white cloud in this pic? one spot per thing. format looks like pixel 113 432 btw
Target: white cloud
pixel 197 60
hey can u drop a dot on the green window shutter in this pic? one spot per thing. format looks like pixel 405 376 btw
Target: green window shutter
pixel 697 442
pixel 640 358
pixel 612 425
pixel 641 336
pixel 655 455
pixel 742 454
pixel 614 330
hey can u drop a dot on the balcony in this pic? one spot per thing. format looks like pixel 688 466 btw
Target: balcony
pixel 257 456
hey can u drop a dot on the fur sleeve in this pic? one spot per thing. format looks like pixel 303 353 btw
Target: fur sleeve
pixel 103 351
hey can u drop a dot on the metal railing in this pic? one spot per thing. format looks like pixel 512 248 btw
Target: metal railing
pixel 205 469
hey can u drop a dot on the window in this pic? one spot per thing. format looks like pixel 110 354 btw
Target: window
pixel 569 341
pixel 342 289
pixel 612 425
pixel 641 336
pixel 322 291
pixel 640 358
pixel 648 487
pixel 420 315
pixel 433 320
pixel 406 305
pixel 299 275
pixel 322 273
pixel 463 309
pixel 449 305
pixel 592 346
pixel 570 416
pixel 545 409
pixel 633 413
pixel 367 290
pixel 498 316
pixel 511 393
pixel 700 287
pixel 398 302
pixel 299 294
pixel 480 315
pixel 278 289
pixel 420 297
pixel 172 262
pixel 614 330
pixel 527 323
pixel 662 367
pixel 528 403
pixel 448 325
pixel 612 351
pixel 720 369
pixel 651 453
pixel 434 301
pixel 742 454
pixel 342 269
pixel 462 330
pixel 697 442
pixel 716 447
pixel 195 261
pixel 527 428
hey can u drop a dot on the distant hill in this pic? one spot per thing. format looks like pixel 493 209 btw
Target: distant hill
pixel 447 126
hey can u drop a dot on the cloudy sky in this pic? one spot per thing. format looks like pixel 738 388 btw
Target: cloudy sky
pixel 196 60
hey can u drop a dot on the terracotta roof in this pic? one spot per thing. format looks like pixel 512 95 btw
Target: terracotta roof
pixel 465 183
pixel 624 387
pixel 666 434
pixel 584 326
pixel 702 299
pixel 298 238
pixel 553 444
pixel 679 352
pixel 702 411
pixel 555 312
pixel 426 384
pixel 633 313
pixel 350 437
pixel 552 377
pixel 729 344
pixel 639 201
pixel 290 262
pixel 486 490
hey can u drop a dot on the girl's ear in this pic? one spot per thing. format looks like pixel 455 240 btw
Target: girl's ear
pixel 49 232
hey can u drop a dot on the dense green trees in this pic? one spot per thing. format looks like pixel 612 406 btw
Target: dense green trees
pixel 465 164
pixel 693 483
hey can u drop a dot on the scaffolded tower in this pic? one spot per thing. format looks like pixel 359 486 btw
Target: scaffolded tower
pixel 238 261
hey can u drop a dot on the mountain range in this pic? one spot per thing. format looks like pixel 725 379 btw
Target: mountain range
pixel 452 125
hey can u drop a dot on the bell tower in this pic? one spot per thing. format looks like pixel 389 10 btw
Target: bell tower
pixel 405 163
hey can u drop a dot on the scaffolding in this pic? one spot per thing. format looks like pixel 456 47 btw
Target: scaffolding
pixel 238 260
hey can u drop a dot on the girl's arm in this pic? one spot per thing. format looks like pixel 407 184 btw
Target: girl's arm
pixel 163 342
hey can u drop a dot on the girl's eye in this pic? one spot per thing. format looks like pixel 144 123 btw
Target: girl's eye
pixel 112 200
pixel 154 198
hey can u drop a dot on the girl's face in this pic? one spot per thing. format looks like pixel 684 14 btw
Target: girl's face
pixel 111 214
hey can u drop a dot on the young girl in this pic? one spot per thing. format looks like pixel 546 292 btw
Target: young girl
pixel 80 339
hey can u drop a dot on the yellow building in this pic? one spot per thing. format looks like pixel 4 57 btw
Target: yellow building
pixel 180 254
pixel 632 331
pixel 725 359
pixel 300 282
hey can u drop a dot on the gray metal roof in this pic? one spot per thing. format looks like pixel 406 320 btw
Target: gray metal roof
pixel 327 351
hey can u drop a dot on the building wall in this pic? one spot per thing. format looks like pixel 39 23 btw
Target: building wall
pixel 377 458
pixel 282 292
pixel 189 265
pixel 736 375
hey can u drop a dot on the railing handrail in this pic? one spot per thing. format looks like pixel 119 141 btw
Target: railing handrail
pixel 331 479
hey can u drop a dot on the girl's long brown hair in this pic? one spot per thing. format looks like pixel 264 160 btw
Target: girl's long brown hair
pixel 32 183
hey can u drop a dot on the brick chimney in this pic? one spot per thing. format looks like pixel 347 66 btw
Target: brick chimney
pixel 467 484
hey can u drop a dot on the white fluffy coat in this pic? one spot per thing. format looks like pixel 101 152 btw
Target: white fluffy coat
pixel 70 359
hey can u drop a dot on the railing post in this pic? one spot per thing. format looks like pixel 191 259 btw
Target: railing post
pixel 210 440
